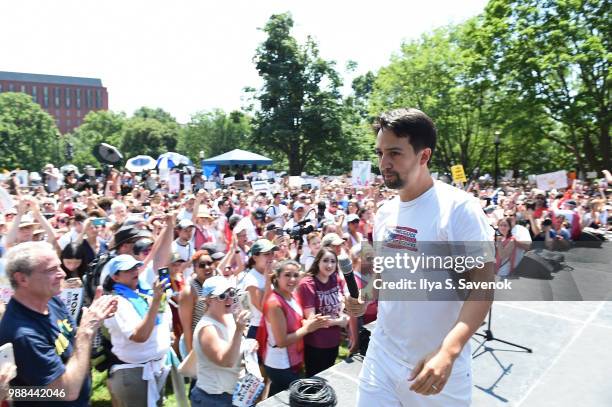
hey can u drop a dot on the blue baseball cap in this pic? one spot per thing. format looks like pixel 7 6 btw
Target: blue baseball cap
pixel 123 262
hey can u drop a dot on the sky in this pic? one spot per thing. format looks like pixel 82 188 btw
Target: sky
pixel 196 55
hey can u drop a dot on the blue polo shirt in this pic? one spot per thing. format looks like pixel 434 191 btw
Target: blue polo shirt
pixel 42 345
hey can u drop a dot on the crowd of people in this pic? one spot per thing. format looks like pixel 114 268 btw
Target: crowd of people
pixel 198 273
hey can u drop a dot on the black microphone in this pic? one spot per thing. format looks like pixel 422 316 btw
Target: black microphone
pixel 346 266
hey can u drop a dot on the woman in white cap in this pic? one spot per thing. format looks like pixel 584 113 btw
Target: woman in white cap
pixel 140 336
pixel 216 341
pixel 257 281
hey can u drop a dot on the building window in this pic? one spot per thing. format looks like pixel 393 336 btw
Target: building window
pixel 35 94
pixel 11 87
pixel 68 123
pixel 56 97
pixel 67 97
pixel 78 113
pixel 89 99
pixel 23 89
pixel 98 99
pixel 67 112
pixel 78 98
pixel 0 88
pixel 45 96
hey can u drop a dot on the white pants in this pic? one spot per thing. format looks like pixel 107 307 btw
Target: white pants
pixel 383 381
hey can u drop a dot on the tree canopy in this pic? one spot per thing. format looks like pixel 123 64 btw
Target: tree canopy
pixel 29 138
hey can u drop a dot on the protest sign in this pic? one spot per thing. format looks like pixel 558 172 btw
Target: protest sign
pixel 209 185
pixel 260 186
pixel 360 176
pixel 174 183
pixel 592 174
pixel 295 182
pixel 6 202
pixel 164 174
pixel 552 180
pixel 187 182
pixel 458 173
pixel 229 180
pixel 73 299
pixel 23 177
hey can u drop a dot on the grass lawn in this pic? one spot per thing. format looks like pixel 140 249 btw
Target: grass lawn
pixel 101 398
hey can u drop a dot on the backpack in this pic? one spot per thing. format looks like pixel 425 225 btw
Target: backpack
pixel 91 278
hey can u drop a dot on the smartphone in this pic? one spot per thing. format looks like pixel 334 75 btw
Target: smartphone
pixel 99 222
pixel 241 301
pixel 164 273
pixel 7 357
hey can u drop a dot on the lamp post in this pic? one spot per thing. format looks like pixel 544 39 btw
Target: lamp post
pixel 496 141
pixel 201 160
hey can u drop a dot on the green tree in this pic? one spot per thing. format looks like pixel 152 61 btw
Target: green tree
pixel 97 127
pixel 436 73
pixel 215 132
pixel 554 56
pixel 154 113
pixel 148 136
pixel 29 138
pixel 300 107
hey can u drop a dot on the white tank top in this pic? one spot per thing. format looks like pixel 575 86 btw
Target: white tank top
pixel 278 358
pixel 212 378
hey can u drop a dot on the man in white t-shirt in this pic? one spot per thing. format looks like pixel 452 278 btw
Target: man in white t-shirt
pixel 419 352
pixel 277 212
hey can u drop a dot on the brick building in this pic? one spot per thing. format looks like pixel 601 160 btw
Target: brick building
pixel 68 99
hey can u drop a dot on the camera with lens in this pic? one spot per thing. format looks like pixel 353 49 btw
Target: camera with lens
pixel 299 230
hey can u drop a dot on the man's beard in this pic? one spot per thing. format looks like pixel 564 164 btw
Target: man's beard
pixel 394 183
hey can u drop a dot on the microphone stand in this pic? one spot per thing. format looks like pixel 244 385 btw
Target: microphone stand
pixel 488 335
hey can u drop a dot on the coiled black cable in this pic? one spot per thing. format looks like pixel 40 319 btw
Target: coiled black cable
pixel 313 392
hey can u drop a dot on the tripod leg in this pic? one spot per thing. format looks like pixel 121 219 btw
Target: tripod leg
pixel 512 344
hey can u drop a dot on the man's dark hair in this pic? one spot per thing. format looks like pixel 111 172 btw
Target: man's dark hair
pixel 411 123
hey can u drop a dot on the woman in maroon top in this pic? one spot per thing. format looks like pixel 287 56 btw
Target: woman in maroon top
pixel 321 292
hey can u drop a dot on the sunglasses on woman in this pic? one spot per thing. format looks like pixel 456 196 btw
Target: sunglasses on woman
pixel 231 293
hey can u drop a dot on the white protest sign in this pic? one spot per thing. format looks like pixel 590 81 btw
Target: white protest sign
pixel 260 186
pixel 508 175
pixel 209 185
pixel 174 183
pixel 229 180
pixel 187 182
pixel 23 177
pixel 314 183
pixel 295 182
pixel 164 174
pixel 6 201
pixel 360 176
pixel 271 174
pixel 592 174
pixel 263 175
pixel 247 390
pixel 552 180
pixel 73 299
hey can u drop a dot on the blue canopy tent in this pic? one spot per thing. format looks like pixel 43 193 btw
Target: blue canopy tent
pixel 238 157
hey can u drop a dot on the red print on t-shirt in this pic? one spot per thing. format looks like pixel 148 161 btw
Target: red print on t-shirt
pixel 400 237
